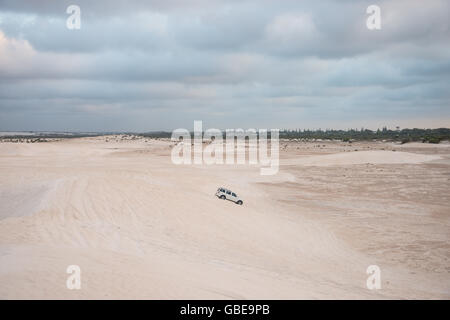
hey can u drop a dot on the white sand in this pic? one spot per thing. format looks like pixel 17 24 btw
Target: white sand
pixel 362 157
pixel 141 227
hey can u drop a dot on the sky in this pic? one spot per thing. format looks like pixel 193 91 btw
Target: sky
pixel 159 65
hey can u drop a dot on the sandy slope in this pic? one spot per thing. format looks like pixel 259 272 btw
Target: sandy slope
pixel 141 227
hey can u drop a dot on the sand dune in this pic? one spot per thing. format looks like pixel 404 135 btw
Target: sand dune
pixel 140 227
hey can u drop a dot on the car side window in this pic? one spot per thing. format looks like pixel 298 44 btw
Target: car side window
pixel 221 190
pixel 228 192
pixel 234 194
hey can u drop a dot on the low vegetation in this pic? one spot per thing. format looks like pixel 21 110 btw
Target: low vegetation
pixel 403 136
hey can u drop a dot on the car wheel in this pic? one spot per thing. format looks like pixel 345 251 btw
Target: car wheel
pixel 222 197
pixel 239 202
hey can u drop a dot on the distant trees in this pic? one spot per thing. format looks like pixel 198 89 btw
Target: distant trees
pixel 404 135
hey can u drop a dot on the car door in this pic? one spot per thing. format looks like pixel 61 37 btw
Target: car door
pixel 234 196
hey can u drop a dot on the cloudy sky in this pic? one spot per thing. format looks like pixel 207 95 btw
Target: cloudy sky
pixel 159 65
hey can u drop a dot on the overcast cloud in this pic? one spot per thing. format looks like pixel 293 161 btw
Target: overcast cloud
pixel 160 65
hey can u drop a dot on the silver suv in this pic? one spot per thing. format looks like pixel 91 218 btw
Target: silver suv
pixel 226 194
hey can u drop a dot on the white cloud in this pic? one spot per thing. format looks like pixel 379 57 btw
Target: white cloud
pixel 289 29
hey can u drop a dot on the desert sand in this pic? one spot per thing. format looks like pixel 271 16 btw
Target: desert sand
pixel 139 226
